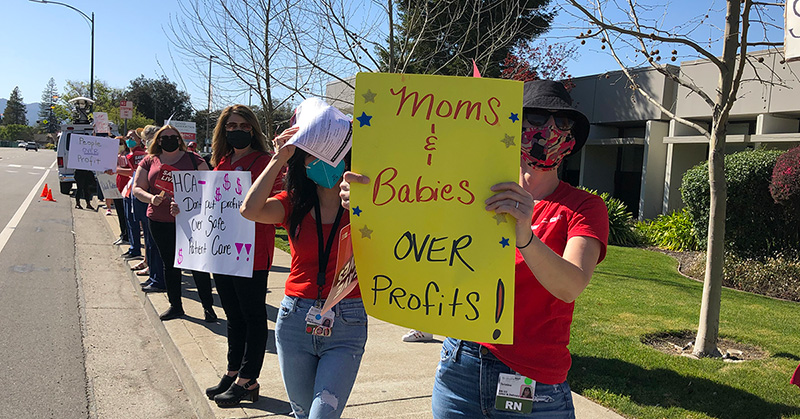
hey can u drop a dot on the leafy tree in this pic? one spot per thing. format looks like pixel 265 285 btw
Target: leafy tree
pixel 16 132
pixel 50 112
pixel 15 110
pixel 106 100
pixel 159 99
pixel 443 37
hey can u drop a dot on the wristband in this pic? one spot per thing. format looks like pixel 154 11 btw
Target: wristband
pixel 528 243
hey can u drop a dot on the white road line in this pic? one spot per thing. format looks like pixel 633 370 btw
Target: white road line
pixel 12 171
pixel 39 167
pixel 12 224
pixel 14 165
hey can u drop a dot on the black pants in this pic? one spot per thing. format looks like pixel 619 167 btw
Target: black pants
pixel 243 300
pixel 83 180
pixel 164 237
pixel 119 206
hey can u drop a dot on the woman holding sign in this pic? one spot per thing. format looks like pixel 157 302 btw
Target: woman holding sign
pixel 319 363
pixel 166 153
pixel 562 233
pixel 239 144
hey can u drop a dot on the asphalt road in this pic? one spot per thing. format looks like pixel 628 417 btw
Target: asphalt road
pixel 41 350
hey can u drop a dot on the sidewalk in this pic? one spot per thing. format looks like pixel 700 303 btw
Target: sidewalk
pixel 395 379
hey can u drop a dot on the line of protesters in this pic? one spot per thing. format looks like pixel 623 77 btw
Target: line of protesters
pixel 561 236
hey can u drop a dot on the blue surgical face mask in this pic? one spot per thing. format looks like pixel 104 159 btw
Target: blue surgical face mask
pixel 324 174
pixel 130 143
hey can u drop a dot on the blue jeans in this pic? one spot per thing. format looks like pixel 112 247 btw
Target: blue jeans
pixel 319 372
pixel 133 226
pixel 466 387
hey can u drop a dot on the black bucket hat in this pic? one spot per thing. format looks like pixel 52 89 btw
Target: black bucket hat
pixel 551 95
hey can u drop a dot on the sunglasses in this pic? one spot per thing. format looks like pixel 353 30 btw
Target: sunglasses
pixel 169 137
pixel 538 118
pixel 244 126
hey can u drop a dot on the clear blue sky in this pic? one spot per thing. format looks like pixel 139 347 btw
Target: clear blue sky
pixel 47 40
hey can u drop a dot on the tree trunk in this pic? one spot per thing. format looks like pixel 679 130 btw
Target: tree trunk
pixel 708 329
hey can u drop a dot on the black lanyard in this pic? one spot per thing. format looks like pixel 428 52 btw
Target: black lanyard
pixel 325 252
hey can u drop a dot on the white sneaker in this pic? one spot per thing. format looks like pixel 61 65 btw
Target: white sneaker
pixel 417 336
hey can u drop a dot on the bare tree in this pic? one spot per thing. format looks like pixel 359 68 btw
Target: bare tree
pixel 646 39
pixel 246 39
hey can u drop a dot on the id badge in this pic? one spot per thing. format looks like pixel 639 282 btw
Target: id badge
pixel 514 393
pixel 319 324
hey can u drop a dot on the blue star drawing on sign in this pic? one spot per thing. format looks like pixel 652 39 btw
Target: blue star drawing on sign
pixel 357 211
pixel 364 120
pixel 504 242
pixel 514 117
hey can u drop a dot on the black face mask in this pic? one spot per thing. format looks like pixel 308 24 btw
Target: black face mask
pixel 170 144
pixel 239 139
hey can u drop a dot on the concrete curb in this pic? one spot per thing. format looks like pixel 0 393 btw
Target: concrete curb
pixel 196 395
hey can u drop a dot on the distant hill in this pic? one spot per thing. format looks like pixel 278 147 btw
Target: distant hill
pixel 32 112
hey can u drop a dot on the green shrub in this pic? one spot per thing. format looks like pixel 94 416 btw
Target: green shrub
pixel 755 225
pixel 672 232
pixel 620 222
pixel 775 276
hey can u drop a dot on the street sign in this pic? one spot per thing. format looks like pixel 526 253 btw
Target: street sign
pixel 126 109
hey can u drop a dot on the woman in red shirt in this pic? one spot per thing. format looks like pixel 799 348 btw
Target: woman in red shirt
pixel 562 233
pixel 319 355
pixel 168 151
pixel 239 144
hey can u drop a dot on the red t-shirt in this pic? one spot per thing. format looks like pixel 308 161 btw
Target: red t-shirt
pixel 541 321
pixel 302 281
pixel 256 162
pixel 152 165
pixel 122 180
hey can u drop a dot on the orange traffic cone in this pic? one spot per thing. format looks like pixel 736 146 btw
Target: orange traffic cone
pixel 49 196
pixel 44 192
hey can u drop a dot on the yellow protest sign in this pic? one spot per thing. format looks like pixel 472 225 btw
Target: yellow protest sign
pixel 428 255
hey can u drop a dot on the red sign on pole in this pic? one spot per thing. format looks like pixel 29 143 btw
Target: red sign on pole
pixel 126 109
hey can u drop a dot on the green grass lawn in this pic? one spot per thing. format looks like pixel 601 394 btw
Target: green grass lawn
pixel 635 292
pixel 281 239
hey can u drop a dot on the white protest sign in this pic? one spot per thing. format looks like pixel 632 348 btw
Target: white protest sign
pixel 188 129
pixel 108 184
pixel 211 235
pixel 100 122
pixel 92 153
pixel 325 132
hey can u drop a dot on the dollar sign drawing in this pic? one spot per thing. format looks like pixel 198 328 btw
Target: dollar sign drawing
pixel 180 256
pixel 226 184
pixel 238 186
pixel 217 196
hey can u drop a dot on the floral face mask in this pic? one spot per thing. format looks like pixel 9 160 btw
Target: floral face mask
pixel 544 147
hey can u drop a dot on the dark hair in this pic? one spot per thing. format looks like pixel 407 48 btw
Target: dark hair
pixel 302 190
pixel 220 147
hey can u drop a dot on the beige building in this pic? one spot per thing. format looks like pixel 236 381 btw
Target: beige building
pixel 638 154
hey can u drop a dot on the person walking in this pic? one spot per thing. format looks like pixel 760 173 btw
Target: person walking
pixel 169 150
pixel 239 144
pixel 319 356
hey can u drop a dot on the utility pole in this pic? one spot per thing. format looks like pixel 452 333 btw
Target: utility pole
pixel 208 114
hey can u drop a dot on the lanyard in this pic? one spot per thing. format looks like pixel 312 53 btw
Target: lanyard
pixel 325 252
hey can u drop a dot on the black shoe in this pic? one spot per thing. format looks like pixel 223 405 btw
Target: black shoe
pixel 129 256
pixel 152 288
pixel 126 254
pixel 210 316
pixel 146 283
pixel 78 206
pixel 90 207
pixel 171 313
pixel 224 384
pixel 235 394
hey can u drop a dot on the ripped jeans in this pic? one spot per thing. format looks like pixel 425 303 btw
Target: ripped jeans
pixel 466 387
pixel 319 372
